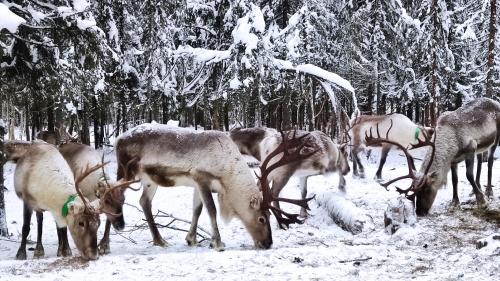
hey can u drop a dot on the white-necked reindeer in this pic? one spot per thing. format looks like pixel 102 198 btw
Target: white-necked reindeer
pixel 403 131
pixel 210 162
pixel 459 135
pixel 44 181
pixel 97 185
pixel 329 158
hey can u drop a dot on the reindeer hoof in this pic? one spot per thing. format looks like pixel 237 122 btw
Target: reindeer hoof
pixel 39 252
pixel 489 192
pixel 219 246
pixel 64 252
pixel 455 205
pixel 104 248
pixel 160 242
pixel 21 255
pixel 191 240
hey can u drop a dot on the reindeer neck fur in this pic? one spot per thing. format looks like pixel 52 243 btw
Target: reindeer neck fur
pixel 176 156
pixel 43 179
pixel 79 156
pixel 470 129
pixel 248 140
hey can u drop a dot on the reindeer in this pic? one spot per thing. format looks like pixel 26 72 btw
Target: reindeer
pixel 44 181
pixel 404 132
pixel 459 135
pixel 210 162
pixel 97 185
pixel 330 157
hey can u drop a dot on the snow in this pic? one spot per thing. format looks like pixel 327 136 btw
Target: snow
pixel 235 83
pixel 440 246
pixel 316 71
pixel 80 5
pixel 9 20
pixel 99 86
pixel 469 34
pixel 85 23
pixel 203 55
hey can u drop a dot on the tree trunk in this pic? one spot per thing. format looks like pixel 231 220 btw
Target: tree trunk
pixel 3 218
pixel 491 48
pixel 434 82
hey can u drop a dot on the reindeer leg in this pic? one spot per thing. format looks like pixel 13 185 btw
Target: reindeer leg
pixel 489 187
pixel 64 244
pixel 356 159
pixel 454 180
pixel 27 212
pixel 147 196
pixel 104 243
pixel 197 207
pixel 303 190
pixel 39 251
pixel 279 184
pixel 479 157
pixel 469 164
pixel 383 158
pixel 208 201
pixel 341 183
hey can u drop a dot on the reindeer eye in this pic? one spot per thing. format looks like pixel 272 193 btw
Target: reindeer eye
pixel 82 224
pixel 262 219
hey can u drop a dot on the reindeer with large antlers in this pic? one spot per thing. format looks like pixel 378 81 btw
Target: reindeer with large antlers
pixel 44 181
pixel 404 132
pixel 328 159
pixel 459 135
pixel 208 161
pixel 97 185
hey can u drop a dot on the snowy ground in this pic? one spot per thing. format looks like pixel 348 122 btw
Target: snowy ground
pixel 440 247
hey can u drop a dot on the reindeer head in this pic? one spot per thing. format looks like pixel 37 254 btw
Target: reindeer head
pixel 260 229
pixel 83 221
pixel 111 196
pixel 421 190
pixel 82 218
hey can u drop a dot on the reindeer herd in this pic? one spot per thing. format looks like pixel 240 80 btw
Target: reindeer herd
pixel 70 182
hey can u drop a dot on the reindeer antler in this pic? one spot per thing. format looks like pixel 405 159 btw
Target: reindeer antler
pixel 81 177
pixel 416 184
pixel 295 144
pixel 126 183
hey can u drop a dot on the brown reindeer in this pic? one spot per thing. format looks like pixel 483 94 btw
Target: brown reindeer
pixel 459 135
pixel 44 181
pixel 403 131
pixel 97 185
pixel 210 162
pixel 330 157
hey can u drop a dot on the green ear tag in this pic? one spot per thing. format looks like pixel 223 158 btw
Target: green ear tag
pixel 65 207
pixel 417 133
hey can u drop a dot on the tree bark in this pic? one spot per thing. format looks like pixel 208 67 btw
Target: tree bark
pixel 3 218
pixel 491 48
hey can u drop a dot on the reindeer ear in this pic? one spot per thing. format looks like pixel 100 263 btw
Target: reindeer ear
pixel 76 208
pixel 101 188
pixel 432 177
pixel 254 203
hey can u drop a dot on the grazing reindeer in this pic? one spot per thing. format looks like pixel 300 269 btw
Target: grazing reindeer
pixel 210 162
pixel 97 185
pixel 44 181
pixel 330 157
pixel 460 135
pixel 404 132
